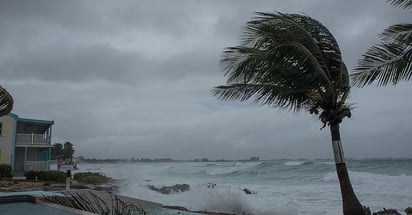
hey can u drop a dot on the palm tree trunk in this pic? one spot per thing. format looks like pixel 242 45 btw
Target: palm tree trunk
pixel 351 204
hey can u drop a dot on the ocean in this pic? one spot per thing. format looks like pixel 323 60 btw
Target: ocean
pixel 278 187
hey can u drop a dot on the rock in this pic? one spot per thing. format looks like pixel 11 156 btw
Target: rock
pixel 177 188
pixel 408 210
pixel 387 212
pixel 247 191
pixel 211 185
pixel 179 208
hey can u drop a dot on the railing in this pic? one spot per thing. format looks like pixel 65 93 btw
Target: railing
pixel 36 165
pixel 32 139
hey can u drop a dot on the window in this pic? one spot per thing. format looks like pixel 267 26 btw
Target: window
pixel 3 129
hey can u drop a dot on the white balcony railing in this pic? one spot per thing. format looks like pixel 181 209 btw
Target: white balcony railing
pixel 32 139
pixel 36 165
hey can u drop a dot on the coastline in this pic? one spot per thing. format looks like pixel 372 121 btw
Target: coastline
pixel 9 185
pixel 18 185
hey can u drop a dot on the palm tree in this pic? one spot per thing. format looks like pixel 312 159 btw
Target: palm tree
pixel 293 62
pixel 391 60
pixel 6 102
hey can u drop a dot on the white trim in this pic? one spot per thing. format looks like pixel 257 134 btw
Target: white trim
pixel 338 151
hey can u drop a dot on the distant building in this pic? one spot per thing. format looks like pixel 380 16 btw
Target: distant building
pixel 25 144
pixel 254 158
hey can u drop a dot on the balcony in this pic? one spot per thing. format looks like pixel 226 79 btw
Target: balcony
pixel 32 140
pixel 36 165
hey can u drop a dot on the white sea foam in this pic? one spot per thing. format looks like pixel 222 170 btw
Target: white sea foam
pixel 329 163
pixel 294 163
pixel 300 189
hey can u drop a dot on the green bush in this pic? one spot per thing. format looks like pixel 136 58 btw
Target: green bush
pixel 52 175
pixel 5 170
pixel 91 177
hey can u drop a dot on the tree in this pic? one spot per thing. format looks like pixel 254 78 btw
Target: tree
pixel 57 151
pixel 294 63
pixel 63 152
pixel 68 151
pixel 6 102
pixel 390 61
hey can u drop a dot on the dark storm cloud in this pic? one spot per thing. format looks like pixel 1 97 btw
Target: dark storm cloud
pixel 102 62
pixel 135 77
pixel 72 64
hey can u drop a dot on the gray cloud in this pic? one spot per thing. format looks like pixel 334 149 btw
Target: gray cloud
pixel 133 79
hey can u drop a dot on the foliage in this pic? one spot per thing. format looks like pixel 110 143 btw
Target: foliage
pixel 390 61
pixel 405 4
pixel 93 203
pixel 293 62
pixel 57 151
pixel 6 102
pixel 288 61
pixel 5 170
pixel 63 152
pixel 68 151
pixel 52 175
pixel 91 177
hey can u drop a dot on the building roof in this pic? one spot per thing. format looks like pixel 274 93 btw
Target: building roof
pixel 38 121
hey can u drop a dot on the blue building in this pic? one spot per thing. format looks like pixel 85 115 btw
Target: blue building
pixel 25 144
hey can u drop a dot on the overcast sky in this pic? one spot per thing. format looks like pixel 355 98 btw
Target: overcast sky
pixel 132 79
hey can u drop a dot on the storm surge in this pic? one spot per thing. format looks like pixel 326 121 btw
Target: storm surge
pixel 264 187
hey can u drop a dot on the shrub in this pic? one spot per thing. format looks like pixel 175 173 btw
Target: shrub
pixel 5 170
pixel 91 177
pixel 52 175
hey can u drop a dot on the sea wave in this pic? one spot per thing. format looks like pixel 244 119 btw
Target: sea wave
pixel 267 164
pixel 328 163
pixel 231 200
pixel 311 186
pixel 296 163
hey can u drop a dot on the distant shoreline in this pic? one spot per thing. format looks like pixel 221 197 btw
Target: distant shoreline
pixel 205 160
pixel 158 160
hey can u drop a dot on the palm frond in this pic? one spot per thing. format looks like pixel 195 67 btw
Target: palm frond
pixel 386 63
pixel 6 102
pixel 405 4
pixel 268 30
pixel 390 61
pixel 285 68
pixel 288 61
pixel 91 202
pixel 400 33
pixel 265 94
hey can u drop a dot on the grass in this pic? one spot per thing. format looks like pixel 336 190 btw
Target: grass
pixel 91 178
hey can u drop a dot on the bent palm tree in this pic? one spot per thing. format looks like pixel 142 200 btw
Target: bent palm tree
pixel 294 63
pixel 6 102
pixel 391 60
